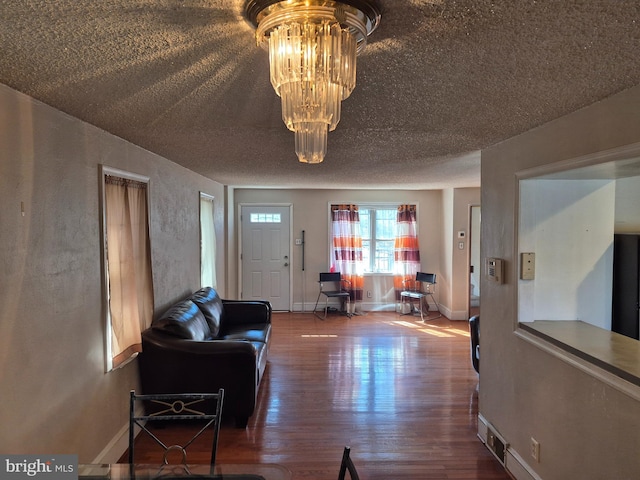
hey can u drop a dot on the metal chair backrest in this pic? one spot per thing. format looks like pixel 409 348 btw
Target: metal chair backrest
pixel 330 277
pixel 202 408
pixel 335 283
pixel 426 278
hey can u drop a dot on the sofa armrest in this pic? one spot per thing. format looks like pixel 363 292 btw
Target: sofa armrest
pixel 246 311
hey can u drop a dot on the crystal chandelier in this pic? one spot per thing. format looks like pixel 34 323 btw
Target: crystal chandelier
pixel 312 56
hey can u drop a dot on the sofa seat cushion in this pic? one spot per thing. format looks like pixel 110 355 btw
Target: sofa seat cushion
pixel 183 320
pixel 210 303
pixel 252 332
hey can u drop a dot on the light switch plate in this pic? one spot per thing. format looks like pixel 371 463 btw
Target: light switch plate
pixel 527 266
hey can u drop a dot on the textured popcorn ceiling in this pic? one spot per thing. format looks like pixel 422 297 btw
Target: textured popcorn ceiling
pixel 438 81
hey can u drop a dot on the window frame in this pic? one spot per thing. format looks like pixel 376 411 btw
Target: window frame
pixel 106 314
pixel 205 197
pixel 368 205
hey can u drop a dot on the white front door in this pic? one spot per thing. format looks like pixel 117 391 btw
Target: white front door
pixel 265 254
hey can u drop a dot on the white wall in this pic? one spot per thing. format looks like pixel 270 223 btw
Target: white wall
pixel 627 212
pixel 586 428
pixel 568 224
pixel 55 395
pixel 310 213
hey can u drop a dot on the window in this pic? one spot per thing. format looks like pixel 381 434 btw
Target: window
pixel 265 218
pixel 207 242
pixel 128 282
pixel 378 227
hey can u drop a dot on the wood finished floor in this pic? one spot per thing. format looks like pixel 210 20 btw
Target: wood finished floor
pixel 401 393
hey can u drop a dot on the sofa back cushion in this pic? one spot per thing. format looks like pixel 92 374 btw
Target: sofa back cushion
pixel 184 320
pixel 210 303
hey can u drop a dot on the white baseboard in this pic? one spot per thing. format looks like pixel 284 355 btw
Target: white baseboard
pixel 118 444
pixel 366 307
pixel 513 462
pixel 115 448
pixel 378 307
pixel 518 468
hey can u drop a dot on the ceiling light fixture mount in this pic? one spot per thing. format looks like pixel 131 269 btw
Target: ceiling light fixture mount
pixel 312 46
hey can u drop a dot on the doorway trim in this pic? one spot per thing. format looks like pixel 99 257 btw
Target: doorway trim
pixel 471 238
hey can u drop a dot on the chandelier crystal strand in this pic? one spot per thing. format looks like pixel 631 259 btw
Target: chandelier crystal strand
pixel 312 56
pixel 312 68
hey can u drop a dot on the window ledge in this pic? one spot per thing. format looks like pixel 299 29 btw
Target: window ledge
pixel 614 353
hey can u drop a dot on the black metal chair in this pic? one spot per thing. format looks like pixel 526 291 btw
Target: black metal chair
pixel 347 466
pixel 421 289
pixel 332 285
pixel 205 409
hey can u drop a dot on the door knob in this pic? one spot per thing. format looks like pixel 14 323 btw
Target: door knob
pixel 286 264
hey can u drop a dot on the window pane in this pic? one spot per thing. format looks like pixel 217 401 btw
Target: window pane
pixel 366 254
pixel 384 255
pixel 265 218
pixel 365 223
pixel 385 224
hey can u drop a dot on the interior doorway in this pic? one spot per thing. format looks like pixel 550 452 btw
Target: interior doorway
pixel 475 266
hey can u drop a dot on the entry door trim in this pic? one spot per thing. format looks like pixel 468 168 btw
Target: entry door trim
pixel 239 244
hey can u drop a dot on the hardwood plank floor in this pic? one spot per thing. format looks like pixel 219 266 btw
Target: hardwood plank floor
pixel 401 393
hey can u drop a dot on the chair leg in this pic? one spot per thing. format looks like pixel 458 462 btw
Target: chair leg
pixel 437 307
pixel 316 306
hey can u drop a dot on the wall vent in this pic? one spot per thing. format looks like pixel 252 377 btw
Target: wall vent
pixel 496 444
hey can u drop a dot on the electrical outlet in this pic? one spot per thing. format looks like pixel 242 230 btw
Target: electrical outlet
pixel 535 449
pixel 369 294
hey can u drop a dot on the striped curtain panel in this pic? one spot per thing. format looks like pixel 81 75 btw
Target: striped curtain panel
pixel 406 251
pixel 346 250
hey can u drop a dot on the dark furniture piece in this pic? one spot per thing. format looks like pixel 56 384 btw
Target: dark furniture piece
pixel 205 409
pixel 332 285
pixel 203 344
pixel 625 313
pixel 347 466
pixel 474 334
pixel 421 289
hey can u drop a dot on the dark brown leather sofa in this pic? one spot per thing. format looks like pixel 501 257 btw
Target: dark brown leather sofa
pixel 205 343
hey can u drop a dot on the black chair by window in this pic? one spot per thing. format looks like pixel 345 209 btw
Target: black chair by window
pixel 347 466
pixel 201 410
pixel 422 288
pixel 332 285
